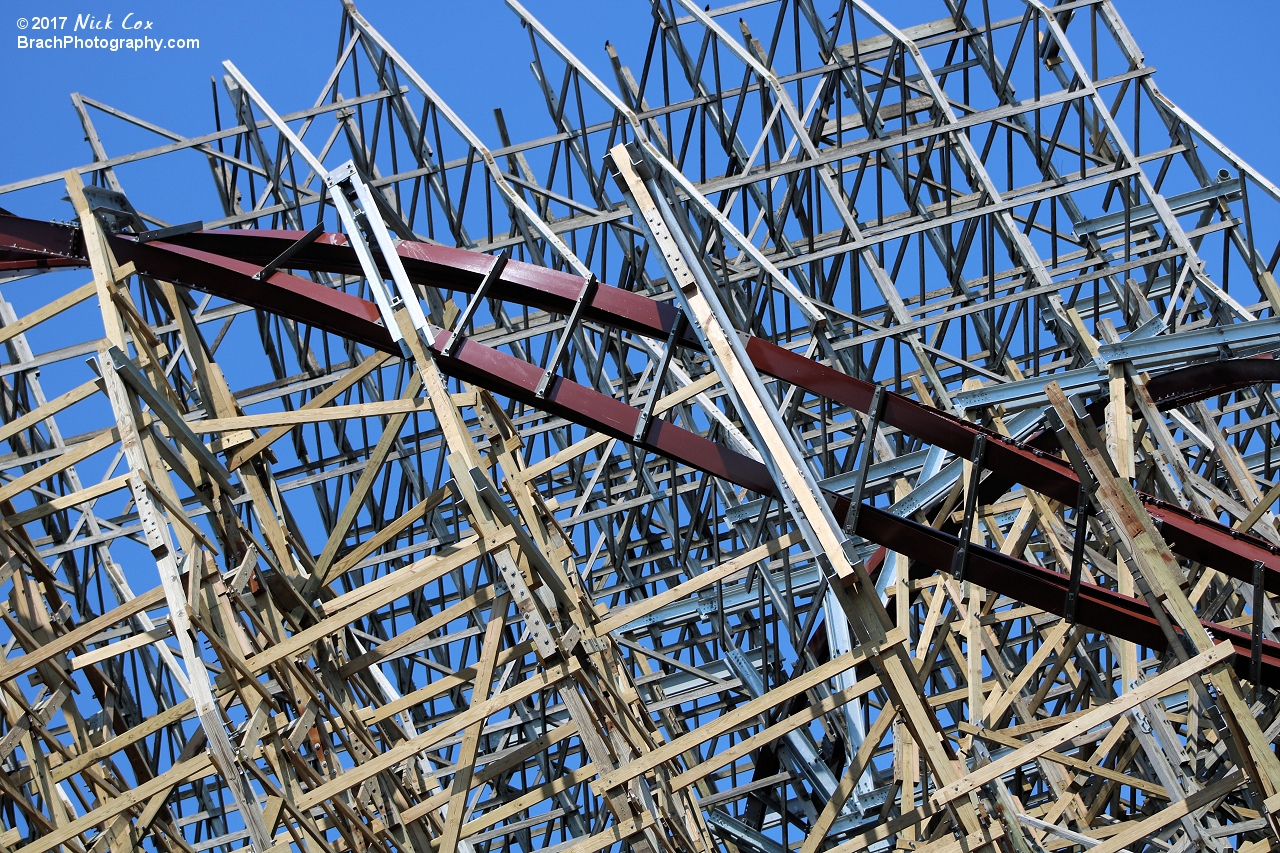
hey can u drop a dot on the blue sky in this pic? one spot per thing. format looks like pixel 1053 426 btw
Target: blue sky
pixel 1215 59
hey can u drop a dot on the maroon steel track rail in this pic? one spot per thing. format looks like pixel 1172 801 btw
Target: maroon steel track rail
pixel 1190 535
pixel 1201 381
pixel 447 268
pixel 228 273
pixel 518 379
pixel 1099 608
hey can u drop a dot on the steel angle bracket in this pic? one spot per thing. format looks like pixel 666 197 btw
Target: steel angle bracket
pixel 359 213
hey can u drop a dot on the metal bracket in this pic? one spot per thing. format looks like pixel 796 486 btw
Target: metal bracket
pixel 171 231
pixel 1083 508
pixel 1074 456
pixel 878 399
pixel 494 273
pixel 641 432
pixel 960 559
pixel 584 296
pixel 306 240
pixel 1255 651
pixel 638 161
pixel 354 201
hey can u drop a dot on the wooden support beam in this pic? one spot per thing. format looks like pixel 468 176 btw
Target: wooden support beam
pixel 1080 725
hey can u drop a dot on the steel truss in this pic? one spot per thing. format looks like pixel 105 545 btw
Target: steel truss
pixel 828 436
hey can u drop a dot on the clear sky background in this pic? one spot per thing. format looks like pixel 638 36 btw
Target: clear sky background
pixel 1216 59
